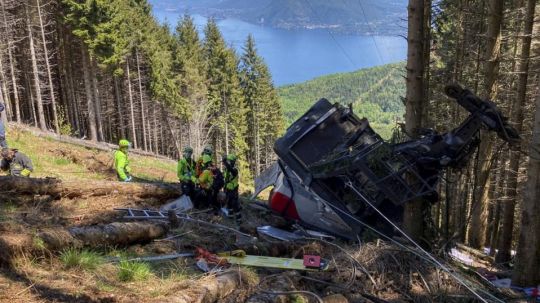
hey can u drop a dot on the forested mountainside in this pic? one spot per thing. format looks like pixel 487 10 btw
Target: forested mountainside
pixel 106 70
pixel 350 16
pixel 376 93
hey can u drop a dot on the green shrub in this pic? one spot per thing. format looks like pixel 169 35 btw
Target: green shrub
pixel 84 259
pixel 133 271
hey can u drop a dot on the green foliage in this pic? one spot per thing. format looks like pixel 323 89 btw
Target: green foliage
pixel 264 113
pixel 295 298
pixel 113 29
pixel 83 259
pixel 133 271
pixel 374 92
pixel 226 103
pixel 65 126
pixel 38 243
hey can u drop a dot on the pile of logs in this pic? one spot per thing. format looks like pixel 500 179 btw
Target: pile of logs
pixel 73 189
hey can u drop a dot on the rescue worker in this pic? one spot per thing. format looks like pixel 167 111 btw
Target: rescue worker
pixel 17 163
pixel 205 181
pixel 186 172
pixel 231 186
pixel 121 161
pixel 3 143
pixel 207 150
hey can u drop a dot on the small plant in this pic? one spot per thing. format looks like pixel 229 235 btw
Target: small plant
pixel 63 123
pixel 133 271
pixel 297 299
pixel 84 259
pixel 38 243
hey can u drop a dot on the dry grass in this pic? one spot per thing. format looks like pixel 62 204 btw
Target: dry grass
pixel 69 162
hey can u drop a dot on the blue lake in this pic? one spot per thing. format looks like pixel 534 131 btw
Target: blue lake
pixel 298 55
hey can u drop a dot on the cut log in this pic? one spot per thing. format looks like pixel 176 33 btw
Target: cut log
pixel 73 189
pixel 12 245
pixel 337 298
pixel 114 234
pixel 210 289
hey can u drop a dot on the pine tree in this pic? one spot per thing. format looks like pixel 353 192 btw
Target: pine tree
pixel 190 66
pixel 264 110
pixel 226 107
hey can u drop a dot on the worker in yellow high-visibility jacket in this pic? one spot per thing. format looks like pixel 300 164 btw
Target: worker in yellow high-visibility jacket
pixel 231 186
pixel 186 172
pixel 121 161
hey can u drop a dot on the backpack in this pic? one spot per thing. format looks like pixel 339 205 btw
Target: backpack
pixel 219 180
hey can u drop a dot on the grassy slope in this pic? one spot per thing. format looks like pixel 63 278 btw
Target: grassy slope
pixel 375 93
pixel 68 161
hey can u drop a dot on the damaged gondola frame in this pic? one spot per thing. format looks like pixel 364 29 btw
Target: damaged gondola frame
pixel 335 173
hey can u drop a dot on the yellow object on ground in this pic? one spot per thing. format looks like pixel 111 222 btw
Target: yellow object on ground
pixel 235 253
pixel 270 262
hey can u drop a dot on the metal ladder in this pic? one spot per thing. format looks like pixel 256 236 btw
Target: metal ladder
pixel 133 213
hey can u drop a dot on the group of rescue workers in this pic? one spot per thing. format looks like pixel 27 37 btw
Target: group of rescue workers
pixel 201 180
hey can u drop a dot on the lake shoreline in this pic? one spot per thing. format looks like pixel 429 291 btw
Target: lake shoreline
pixel 298 55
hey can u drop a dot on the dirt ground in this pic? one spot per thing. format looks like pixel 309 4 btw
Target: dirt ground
pixel 30 274
pixel 370 272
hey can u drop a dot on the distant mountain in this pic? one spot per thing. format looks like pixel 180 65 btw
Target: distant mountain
pixel 346 16
pixel 374 92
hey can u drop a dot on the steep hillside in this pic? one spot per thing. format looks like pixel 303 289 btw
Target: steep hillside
pixel 375 93
pixel 74 162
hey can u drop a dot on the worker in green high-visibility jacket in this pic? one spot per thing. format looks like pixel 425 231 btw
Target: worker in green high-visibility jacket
pixel 186 172
pixel 205 182
pixel 231 186
pixel 121 161
pixel 17 163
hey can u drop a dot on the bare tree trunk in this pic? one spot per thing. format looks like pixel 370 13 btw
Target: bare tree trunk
pixel 35 71
pixel 155 128
pixel 48 67
pixel 413 220
pixel 89 98
pixel 4 90
pixel 32 101
pixel 478 227
pixel 495 224
pixel 505 239
pixel 526 271
pixel 97 100
pixel 143 113
pixel 226 129
pixel 120 112
pixel 12 67
pixel 132 112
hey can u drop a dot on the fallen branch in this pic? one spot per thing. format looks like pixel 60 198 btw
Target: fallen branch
pixel 73 189
pixel 113 234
